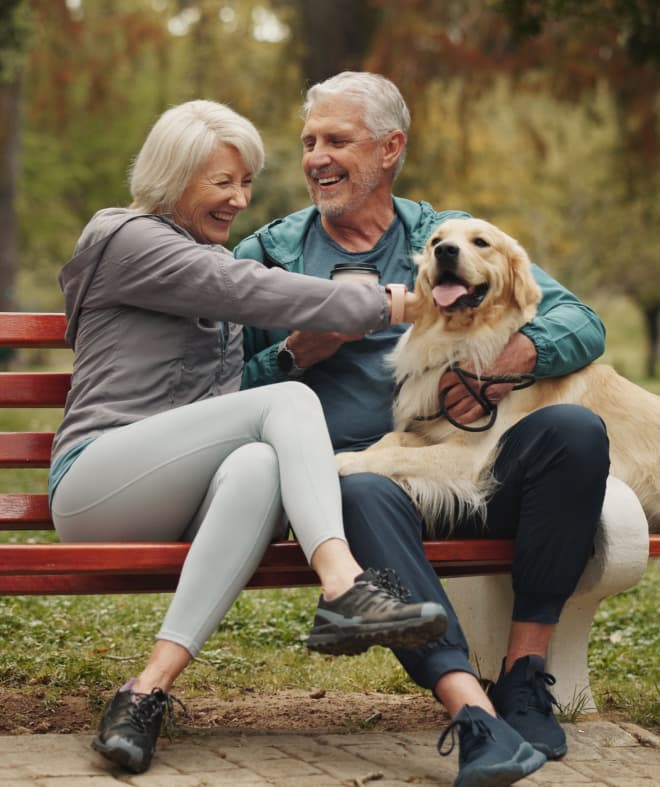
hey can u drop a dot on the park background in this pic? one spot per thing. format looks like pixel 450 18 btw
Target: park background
pixel 542 116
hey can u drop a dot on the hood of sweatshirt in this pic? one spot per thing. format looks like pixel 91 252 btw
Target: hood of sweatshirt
pixel 76 276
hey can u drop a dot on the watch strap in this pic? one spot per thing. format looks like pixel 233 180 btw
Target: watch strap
pixel 398 295
pixel 286 360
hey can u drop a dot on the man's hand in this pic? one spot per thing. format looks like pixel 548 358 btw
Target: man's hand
pixel 518 357
pixel 310 347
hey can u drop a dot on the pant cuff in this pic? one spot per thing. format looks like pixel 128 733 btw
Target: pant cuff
pixel 436 662
pixel 537 608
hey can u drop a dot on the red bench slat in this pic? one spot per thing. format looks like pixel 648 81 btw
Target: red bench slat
pixel 24 512
pixel 31 329
pixel 33 569
pixel 25 449
pixel 84 584
pixel 34 389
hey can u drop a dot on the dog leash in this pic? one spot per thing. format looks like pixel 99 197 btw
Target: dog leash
pixel 519 382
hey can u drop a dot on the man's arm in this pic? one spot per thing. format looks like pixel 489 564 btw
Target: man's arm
pixel 260 347
pixel 567 333
pixel 260 357
pixel 308 347
pixel 564 336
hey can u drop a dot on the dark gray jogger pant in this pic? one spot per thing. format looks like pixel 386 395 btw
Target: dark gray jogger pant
pixel 552 469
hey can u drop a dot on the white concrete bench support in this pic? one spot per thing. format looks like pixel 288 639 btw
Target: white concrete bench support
pixel 483 604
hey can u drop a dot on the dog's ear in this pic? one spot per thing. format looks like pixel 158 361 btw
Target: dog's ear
pixel 526 292
pixel 423 313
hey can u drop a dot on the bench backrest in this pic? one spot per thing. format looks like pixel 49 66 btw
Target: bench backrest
pixel 123 567
pixel 96 567
pixel 29 389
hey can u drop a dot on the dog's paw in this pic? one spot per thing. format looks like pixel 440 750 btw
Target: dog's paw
pixel 346 461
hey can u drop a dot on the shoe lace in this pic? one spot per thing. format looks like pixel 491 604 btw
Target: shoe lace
pixel 388 580
pixel 149 706
pixel 469 733
pixel 534 692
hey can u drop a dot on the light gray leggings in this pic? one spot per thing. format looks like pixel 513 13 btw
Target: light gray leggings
pixel 216 472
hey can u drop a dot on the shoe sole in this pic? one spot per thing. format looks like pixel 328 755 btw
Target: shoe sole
pixel 353 640
pixel 526 761
pixel 551 754
pixel 123 755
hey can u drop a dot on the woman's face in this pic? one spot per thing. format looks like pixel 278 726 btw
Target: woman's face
pixel 215 194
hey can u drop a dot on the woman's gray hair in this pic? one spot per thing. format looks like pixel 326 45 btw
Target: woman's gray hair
pixel 179 143
pixel 382 103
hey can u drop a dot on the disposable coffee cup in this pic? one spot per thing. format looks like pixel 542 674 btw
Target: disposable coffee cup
pixel 355 271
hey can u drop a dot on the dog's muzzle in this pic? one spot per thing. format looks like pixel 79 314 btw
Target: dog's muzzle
pixel 450 292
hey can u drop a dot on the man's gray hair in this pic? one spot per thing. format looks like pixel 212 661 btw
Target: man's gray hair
pixel 179 143
pixel 382 103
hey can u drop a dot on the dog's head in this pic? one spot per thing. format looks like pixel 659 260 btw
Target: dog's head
pixel 470 272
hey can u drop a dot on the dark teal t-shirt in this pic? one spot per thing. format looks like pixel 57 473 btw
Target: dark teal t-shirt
pixel 355 385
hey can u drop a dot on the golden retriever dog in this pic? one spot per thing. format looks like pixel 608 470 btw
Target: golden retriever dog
pixel 475 289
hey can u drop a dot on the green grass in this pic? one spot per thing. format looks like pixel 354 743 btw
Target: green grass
pixel 67 644
pixel 624 652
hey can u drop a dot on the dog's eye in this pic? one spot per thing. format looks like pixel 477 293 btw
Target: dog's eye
pixel 435 241
pixel 481 243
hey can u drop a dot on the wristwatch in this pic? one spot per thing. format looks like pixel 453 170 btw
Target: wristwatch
pixel 286 361
pixel 398 295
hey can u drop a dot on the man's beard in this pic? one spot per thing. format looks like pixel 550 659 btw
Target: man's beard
pixel 333 207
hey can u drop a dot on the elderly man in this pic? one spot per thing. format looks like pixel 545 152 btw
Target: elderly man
pixel 552 466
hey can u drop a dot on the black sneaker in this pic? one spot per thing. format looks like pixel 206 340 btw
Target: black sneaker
pixel 490 752
pixel 374 612
pixel 129 728
pixel 522 699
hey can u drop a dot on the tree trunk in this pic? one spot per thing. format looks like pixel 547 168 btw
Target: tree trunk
pixel 10 93
pixel 337 35
pixel 652 320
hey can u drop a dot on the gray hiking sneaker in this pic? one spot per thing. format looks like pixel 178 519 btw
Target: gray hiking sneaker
pixel 374 612
pixel 129 728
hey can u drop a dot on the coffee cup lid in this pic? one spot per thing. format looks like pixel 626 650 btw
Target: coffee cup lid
pixel 355 267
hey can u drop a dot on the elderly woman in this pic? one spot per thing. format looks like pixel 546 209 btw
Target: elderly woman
pixel 157 442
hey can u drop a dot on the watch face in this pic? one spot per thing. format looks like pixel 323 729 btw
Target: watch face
pixel 285 360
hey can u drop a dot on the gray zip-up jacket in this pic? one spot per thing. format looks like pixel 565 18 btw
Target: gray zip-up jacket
pixel 152 316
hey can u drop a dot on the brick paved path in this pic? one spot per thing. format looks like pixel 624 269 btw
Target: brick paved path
pixel 600 753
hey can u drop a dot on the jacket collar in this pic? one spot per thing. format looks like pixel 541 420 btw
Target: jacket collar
pixel 283 239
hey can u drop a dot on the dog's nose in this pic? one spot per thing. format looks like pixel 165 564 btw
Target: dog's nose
pixel 447 254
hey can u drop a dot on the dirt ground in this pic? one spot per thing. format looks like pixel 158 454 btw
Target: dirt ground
pixel 25 713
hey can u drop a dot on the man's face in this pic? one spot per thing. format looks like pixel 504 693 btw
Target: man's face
pixel 342 161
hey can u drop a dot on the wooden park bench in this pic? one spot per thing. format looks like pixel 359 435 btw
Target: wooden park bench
pixel 479 583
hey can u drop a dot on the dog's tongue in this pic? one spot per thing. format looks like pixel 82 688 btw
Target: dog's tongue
pixel 446 295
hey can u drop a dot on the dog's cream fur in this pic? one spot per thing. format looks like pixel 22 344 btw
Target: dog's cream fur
pixel 447 471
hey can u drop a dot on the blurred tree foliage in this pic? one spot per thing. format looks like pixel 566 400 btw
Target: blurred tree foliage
pixel 13 41
pixel 543 117
pixel 539 116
